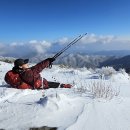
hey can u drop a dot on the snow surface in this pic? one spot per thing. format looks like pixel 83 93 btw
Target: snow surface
pixel 66 109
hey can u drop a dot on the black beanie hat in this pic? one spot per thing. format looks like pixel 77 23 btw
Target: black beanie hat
pixel 20 62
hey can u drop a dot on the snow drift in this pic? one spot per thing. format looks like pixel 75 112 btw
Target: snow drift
pixel 67 109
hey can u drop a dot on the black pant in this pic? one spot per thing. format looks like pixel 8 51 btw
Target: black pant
pixel 53 84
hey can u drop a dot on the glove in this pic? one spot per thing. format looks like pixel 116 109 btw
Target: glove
pixel 51 59
pixel 50 62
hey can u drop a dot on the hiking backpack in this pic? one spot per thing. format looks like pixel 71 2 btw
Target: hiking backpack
pixel 13 79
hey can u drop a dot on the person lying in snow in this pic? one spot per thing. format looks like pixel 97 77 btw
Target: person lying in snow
pixel 24 77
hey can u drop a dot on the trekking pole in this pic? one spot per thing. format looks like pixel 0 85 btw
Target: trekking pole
pixel 66 46
pixel 69 45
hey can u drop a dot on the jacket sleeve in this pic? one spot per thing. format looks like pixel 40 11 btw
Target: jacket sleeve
pixel 40 66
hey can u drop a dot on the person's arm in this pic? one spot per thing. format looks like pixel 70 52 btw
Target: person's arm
pixel 42 65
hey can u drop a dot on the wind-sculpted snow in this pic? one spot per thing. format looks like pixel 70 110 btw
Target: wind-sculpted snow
pixel 66 109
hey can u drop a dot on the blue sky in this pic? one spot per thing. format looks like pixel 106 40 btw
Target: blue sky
pixel 24 20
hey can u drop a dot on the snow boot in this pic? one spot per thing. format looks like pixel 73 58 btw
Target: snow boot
pixel 65 86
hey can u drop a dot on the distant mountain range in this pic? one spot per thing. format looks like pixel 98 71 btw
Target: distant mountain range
pixel 72 60
pixel 117 63
pixel 84 60
pixel 78 60
pixel 120 53
pixel 113 53
pixel 90 61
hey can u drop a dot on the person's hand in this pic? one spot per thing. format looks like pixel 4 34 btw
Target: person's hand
pixel 51 59
pixel 50 62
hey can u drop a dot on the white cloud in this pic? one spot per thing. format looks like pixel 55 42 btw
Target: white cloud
pixel 63 40
pixel 33 41
pixel 24 49
pixel 92 38
pixel 90 42
pixel 89 39
pixel 105 42
pixel 39 46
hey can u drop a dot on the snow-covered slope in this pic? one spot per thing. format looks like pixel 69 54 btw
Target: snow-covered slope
pixel 66 109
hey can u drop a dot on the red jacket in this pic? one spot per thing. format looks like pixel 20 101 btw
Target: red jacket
pixel 29 78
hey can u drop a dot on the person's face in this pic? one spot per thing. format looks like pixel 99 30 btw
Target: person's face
pixel 25 66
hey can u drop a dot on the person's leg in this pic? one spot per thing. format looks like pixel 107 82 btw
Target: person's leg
pixel 49 84
pixel 53 84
